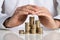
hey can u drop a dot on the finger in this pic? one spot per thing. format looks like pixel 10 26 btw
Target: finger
pixel 43 12
pixel 19 12
pixel 32 8
pixel 27 10
pixel 19 8
pixel 43 8
pixel 23 13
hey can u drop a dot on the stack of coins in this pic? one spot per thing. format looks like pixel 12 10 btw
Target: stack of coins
pixel 27 28
pixel 37 23
pixel 39 29
pixel 33 27
pixel 31 21
pixel 21 31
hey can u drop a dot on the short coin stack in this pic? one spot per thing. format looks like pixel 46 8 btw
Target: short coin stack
pixel 33 27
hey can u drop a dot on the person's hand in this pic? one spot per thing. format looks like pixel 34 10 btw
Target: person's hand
pixel 20 15
pixel 57 22
pixel 46 19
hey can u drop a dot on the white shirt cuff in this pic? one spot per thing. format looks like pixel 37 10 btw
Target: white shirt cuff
pixel 3 17
pixel 57 17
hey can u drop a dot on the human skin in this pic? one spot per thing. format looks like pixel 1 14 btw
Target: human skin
pixel 21 14
pixel 46 19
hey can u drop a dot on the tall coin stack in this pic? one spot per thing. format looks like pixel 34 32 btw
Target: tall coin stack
pixel 32 25
pixel 27 28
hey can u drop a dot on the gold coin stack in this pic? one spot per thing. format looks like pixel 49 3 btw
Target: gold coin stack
pixel 27 28
pixel 33 27
pixel 39 29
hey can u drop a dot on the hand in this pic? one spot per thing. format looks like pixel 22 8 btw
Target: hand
pixel 20 15
pixel 46 19
pixel 57 22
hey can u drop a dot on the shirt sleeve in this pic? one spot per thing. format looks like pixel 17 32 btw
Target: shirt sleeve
pixel 57 17
pixel 3 17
